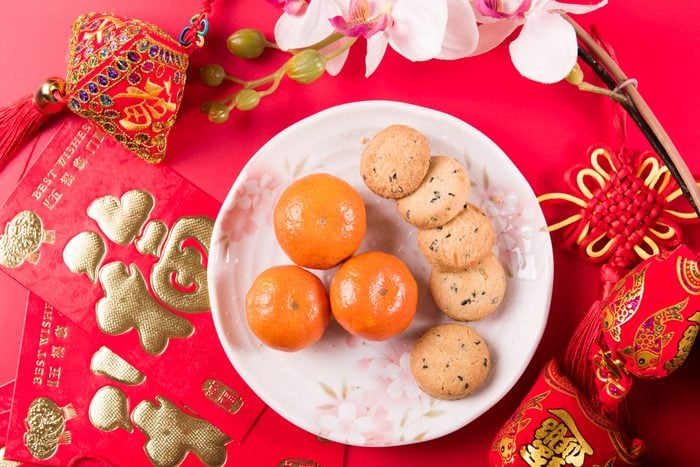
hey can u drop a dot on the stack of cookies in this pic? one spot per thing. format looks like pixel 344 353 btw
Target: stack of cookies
pixel 456 238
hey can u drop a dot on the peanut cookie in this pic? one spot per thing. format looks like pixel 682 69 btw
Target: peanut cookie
pixel 450 361
pixel 440 197
pixel 472 294
pixel 460 243
pixel 395 161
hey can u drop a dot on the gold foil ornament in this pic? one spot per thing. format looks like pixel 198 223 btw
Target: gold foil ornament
pixel 127 304
pixel 223 396
pixel 46 423
pixel 84 254
pixel 122 220
pixel 109 410
pixel 152 239
pixel 172 434
pixel 107 363
pixel 23 237
pixel 179 278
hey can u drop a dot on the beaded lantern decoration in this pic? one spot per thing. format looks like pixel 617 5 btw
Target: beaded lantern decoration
pixel 125 75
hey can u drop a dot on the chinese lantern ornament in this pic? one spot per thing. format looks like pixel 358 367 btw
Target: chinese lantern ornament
pixel 125 75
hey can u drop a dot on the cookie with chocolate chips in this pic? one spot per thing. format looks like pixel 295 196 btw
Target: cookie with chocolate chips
pixel 460 243
pixel 395 161
pixel 471 294
pixel 450 361
pixel 440 197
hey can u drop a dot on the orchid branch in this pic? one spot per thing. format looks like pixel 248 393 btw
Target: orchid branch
pixel 640 112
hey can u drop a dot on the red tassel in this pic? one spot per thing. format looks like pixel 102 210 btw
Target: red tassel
pixel 18 123
pixel 21 120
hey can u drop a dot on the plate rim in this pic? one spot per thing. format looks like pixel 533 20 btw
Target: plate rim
pixel 545 280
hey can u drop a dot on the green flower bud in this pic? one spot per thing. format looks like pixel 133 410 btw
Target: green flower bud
pixel 575 76
pixel 246 43
pixel 212 75
pixel 306 66
pixel 247 99
pixel 218 113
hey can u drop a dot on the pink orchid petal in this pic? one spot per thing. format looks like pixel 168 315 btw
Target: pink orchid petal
pixel 492 34
pixel 295 32
pixel 546 49
pixel 295 7
pixel 462 33
pixel 376 47
pixel 575 9
pixel 363 28
pixel 418 29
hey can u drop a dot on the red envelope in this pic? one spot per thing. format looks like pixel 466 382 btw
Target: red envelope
pixel 79 402
pixel 292 446
pixel 6 391
pixel 120 247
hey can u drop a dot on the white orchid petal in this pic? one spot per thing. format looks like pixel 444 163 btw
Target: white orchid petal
pixel 462 34
pixel 546 49
pixel 418 28
pixel 335 64
pixel 575 9
pixel 492 34
pixel 376 47
pixel 298 31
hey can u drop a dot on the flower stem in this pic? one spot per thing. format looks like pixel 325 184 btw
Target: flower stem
pixel 635 105
pixel 334 37
pixel 588 87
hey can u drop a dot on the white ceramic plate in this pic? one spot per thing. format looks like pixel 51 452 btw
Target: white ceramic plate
pixel 344 388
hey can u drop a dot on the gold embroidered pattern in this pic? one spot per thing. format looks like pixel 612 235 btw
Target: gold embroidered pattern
pixel 557 441
pixel 688 275
pixel 127 304
pixel 624 306
pixel 22 239
pixel 107 363
pixel 179 278
pixel 46 424
pixel 650 340
pixel 172 434
pixel 84 254
pixel 685 344
pixel 122 220
pixel 109 410
pixel 152 239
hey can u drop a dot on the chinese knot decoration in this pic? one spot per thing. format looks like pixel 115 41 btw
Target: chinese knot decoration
pixel 126 75
pixel 643 326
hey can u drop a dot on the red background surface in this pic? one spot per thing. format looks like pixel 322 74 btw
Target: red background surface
pixel 544 130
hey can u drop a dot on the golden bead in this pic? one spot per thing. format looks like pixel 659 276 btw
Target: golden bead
pixel 49 97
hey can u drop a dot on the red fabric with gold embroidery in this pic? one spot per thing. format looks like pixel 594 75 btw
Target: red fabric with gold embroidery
pixel 555 425
pixel 650 319
pixel 127 76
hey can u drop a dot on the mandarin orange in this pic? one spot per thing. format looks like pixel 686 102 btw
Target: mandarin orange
pixel 320 220
pixel 374 296
pixel 287 308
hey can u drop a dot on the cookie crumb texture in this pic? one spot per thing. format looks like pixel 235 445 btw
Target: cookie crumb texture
pixel 460 243
pixel 395 161
pixel 472 294
pixel 440 197
pixel 450 361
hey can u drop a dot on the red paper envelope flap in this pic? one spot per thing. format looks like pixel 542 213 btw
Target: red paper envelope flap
pixel 120 247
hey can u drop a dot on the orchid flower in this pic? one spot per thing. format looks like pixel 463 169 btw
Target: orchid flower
pixel 546 48
pixel 417 29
